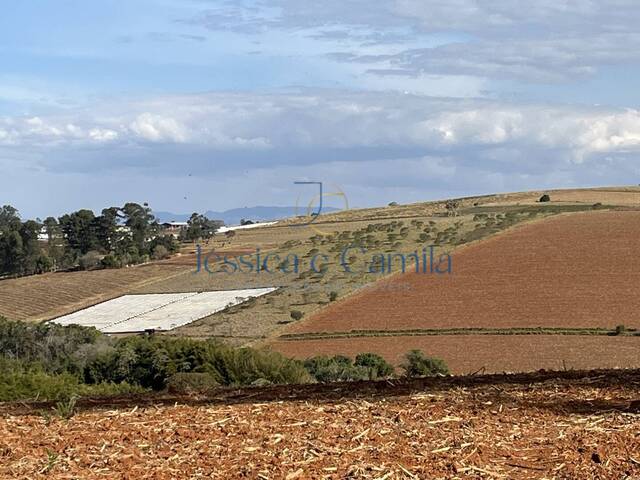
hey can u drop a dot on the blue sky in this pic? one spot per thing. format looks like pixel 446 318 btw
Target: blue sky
pixel 208 105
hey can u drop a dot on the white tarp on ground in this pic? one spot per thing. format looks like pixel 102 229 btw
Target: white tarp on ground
pixel 245 227
pixel 137 313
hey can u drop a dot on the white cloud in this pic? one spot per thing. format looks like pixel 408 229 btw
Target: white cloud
pixel 300 128
pixel 547 41
pixel 102 134
pixel 157 128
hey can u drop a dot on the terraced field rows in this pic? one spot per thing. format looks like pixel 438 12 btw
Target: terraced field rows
pixel 46 296
pixel 572 271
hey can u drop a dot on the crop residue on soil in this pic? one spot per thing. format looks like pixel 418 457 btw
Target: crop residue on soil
pixel 581 428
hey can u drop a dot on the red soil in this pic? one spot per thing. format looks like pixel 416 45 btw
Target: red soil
pixel 580 270
pixel 494 353
pixel 583 428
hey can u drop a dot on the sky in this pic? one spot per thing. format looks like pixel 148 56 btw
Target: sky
pixel 195 105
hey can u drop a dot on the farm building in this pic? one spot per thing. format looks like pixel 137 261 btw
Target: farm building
pixel 174 228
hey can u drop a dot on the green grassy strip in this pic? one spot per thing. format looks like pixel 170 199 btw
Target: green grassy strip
pixel 458 331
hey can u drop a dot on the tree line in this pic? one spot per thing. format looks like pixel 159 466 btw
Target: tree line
pixel 49 362
pixel 118 237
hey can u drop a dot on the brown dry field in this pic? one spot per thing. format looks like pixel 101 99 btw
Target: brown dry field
pixel 41 297
pixel 466 354
pixel 629 196
pixel 565 427
pixel 577 270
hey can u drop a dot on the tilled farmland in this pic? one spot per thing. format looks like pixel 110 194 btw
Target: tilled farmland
pixel 568 425
pixel 465 354
pixel 571 271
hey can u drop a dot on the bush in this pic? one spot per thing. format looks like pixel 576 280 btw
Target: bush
pixel 191 382
pixel 545 198
pixel 297 314
pixel 59 349
pixel 419 365
pixel 48 361
pixel 111 261
pixel 335 369
pixel 30 382
pixel 620 329
pixel 160 252
pixel 379 368
pixel 20 381
pixel 90 260
pixel 333 296
pixel 367 366
pixel 151 361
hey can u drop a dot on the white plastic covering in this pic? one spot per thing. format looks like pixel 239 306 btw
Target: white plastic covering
pixel 137 313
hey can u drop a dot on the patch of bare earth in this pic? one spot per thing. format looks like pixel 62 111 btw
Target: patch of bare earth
pixel 585 427
pixel 465 354
pixel 580 270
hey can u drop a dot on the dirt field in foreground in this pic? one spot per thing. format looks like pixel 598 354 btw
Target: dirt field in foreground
pixel 580 428
pixel 494 353
pixel 579 270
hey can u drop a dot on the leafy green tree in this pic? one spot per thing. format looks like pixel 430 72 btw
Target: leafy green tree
pixel 79 229
pixel 11 252
pixel 9 218
pixel 106 227
pixel 142 224
pixel 200 227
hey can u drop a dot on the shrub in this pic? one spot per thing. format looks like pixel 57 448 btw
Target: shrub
pixel 111 261
pixel 160 252
pixel 335 369
pixel 545 198
pixel 297 314
pixel 90 260
pixel 620 329
pixel 191 382
pixel 66 408
pixel 367 366
pixel 59 349
pixel 19 381
pixel 393 204
pixel 30 382
pixel 378 366
pixel 48 361
pixel 151 361
pixel 333 296
pixel 419 365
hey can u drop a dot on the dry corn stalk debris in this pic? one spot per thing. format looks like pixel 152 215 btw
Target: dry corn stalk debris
pixel 585 427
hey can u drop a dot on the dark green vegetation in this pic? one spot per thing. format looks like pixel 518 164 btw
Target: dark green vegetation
pixel 200 227
pixel 120 236
pixel 418 365
pixel 370 366
pixel 367 366
pixel 51 362
pixel 48 361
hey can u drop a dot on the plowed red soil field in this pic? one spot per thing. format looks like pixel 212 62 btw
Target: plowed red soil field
pixel 491 353
pixel 579 270
pixel 585 427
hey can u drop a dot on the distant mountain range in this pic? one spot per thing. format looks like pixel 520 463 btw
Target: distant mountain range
pixel 233 216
